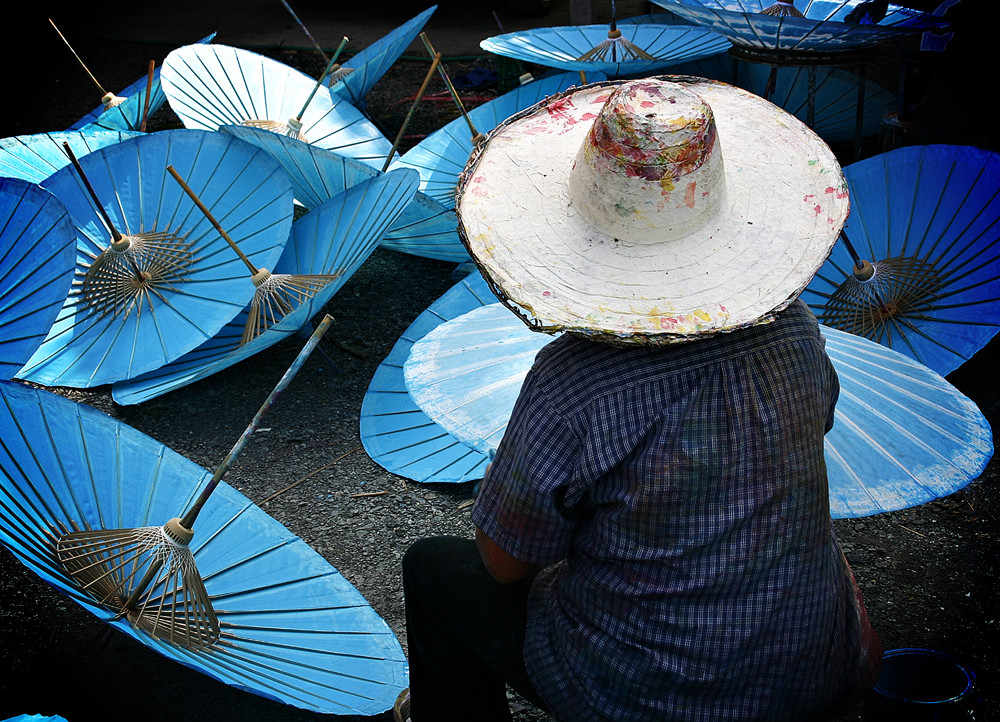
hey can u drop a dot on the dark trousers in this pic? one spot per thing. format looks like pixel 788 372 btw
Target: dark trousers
pixel 465 634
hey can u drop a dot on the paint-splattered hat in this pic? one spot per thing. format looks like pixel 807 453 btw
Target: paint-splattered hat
pixel 651 211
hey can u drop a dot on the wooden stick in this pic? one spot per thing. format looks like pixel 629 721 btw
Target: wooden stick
pixel 115 235
pixel 326 71
pixel 211 218
pixel 477 137
pixel 149 92
pixel 409 114
pixel 103 91
pixel 311 474
pixel 305 30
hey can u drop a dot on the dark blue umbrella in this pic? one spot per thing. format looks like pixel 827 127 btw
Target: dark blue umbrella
pixel 37 260
pixel 917 267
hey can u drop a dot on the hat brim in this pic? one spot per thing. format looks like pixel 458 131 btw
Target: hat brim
pixel 786 202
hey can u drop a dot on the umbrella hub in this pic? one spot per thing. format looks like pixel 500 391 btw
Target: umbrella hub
pixel 276 126
pixel 782 9
pixel 177 532
pixel 880 295
pixel 110 100
pixel 277 295
pixel 133 268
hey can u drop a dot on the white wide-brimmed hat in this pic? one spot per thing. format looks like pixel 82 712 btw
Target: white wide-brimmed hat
pixel 651 211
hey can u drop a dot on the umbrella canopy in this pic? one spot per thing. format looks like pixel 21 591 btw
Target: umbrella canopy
pixel 924 222
pixel 334 238
pixel 292 628
pixel 212 85
pixel 429 229
pixel 363 70
pixel 822 26
pixel 562 47
pixel 441 157
pixel 37 259
pixel 317 175
pixel 178 282
pixel 130 113
pixel 395 432
pixel 35 157
pixel 903 435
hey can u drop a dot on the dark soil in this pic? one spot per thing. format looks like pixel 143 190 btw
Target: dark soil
pixel 929 574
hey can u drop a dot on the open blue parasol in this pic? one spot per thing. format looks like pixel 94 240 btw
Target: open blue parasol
pixel 395 432
pixel 903 435
pixel 140 100
pixel 359 74
pixel 917 267
pixel 37 259
pixel 810 25
pixel 429 229
pixel 570 47
pixel 212 85
pixel 35 157
pixel 287 625
pixel 334 238
pixel 155 278
pixel 441 157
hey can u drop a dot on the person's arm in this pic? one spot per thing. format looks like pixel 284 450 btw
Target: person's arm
pixel 502 566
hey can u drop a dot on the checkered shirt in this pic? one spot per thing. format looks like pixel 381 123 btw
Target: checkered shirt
pixel 678 495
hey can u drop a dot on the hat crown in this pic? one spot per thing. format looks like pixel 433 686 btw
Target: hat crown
pixel 650 167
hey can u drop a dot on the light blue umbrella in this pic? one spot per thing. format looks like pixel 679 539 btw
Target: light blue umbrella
pixel 441 157
pixel 335 238
pixel 316 174
pixel 359 74
pixel 35 157
pixel 822 27
pixel 208 86
pixel 176 282
pixel 903 435
pixel 395 432
pixel 129 114
pixel 563 47
pixel 924 225
pixel 429 229
pixel 291 628
pixel 37 259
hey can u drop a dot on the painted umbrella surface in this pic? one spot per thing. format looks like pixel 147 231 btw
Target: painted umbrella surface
pixel 334 238
pixel 292 628
pixel 364 69
pixel 395 432
pixel 129 115
pixel 925 220
pixel 903 435
pixel 190 284
pixel 562 47
pixel 822 29
pixel 35 157
pixel 212 85
pixel 441 157
pixel 317 175
pixel 425 227
pixel 37 260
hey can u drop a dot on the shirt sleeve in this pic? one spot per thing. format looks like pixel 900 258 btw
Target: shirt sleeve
pixel 525 503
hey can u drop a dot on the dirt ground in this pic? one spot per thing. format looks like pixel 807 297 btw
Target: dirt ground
pixel 929 574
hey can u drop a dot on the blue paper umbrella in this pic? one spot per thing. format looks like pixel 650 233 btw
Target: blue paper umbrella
pixel 811 26
pixel 902 436
pixel 441 156
pixel 333 239
pixel 824 98
pixel 37 259
pixel 212 85
pixel 429 229
pixel 359 74
pixel 917 267
pixel 570 47
pixel 35 157
pixel 132 105
pixel 288 626
pixel 395 432
pixel 316 174
pixel 155 277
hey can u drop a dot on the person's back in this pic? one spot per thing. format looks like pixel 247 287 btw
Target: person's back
pixel 685 489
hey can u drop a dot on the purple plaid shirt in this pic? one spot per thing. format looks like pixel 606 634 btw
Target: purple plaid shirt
pixel 679 495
